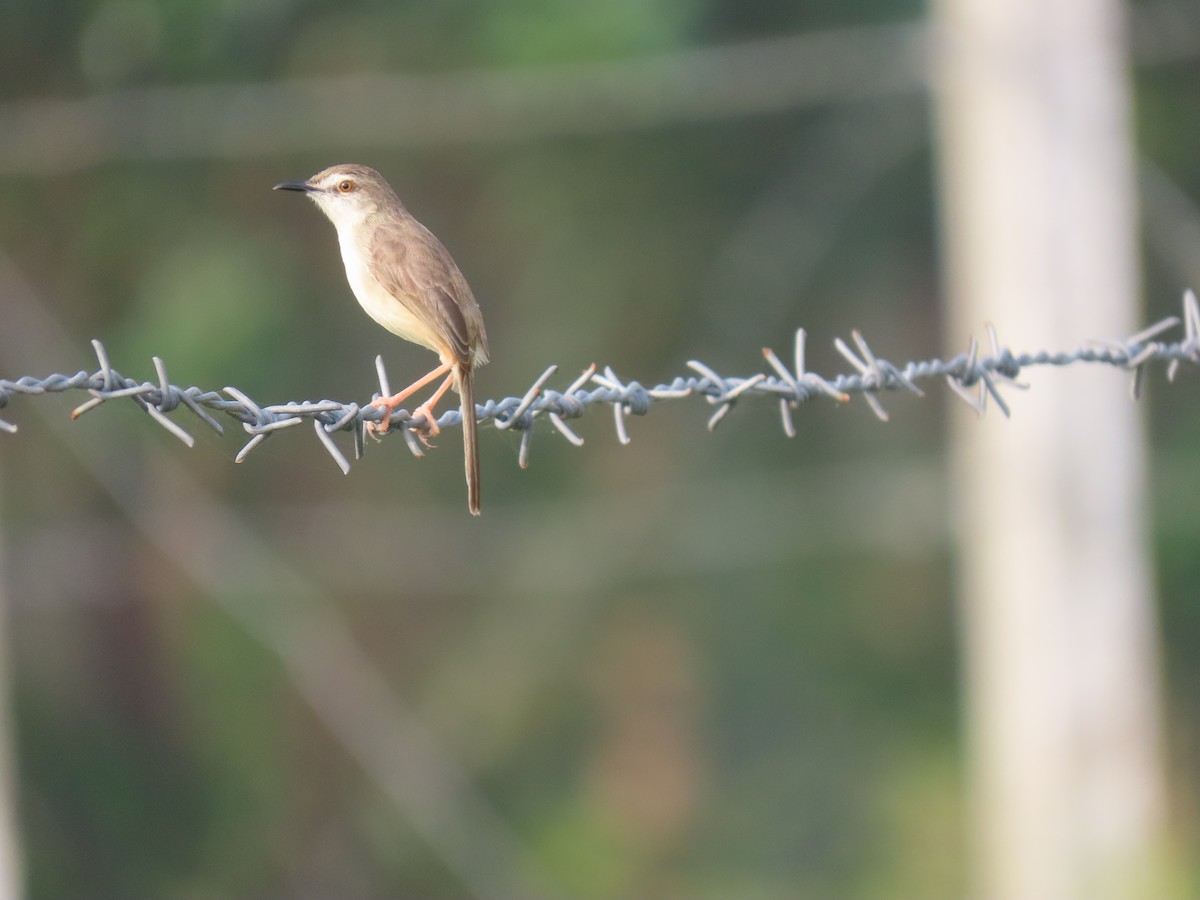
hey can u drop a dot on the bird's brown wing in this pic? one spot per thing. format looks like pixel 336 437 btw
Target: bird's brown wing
pixel 413 266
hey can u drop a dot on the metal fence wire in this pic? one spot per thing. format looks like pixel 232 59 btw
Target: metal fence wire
pixel 973 376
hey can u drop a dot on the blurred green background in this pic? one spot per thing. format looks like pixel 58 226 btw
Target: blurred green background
pixel 701 665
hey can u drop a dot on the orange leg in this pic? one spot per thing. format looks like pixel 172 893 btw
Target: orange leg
pixel 390 403
pixel 426 409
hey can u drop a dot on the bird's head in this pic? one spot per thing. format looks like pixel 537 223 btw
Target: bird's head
pixel 347 193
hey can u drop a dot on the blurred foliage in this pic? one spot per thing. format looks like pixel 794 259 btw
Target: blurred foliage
pixel 774 714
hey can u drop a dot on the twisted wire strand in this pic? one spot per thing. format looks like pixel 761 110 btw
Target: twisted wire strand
pixel 974 377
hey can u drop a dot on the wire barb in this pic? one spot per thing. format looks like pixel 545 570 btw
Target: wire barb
pixel 1191 341
pixel 973 376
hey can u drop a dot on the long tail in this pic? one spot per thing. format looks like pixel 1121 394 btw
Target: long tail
pixel 466 389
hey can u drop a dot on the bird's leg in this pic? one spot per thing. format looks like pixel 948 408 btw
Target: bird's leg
pixel 426 409
pixel 390 403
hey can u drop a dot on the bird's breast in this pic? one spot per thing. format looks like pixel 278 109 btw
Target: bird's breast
pixel 389 311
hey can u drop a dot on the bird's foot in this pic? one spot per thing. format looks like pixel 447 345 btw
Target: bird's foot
pixel 432 429
pixel 375 429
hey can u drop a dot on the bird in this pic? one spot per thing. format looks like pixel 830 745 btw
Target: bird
pixel 407 281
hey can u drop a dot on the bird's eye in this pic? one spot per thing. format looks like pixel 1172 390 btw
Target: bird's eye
pixel 345 186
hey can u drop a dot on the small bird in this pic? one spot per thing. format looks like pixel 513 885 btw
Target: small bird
pixel 407 282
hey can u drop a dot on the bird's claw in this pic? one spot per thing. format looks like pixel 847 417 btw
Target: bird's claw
pixel 375 429
pixel 432 429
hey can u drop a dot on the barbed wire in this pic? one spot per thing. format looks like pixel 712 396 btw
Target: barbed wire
pixel 973 377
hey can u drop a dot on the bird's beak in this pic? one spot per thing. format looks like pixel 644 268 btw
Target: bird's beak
pixel 302 186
